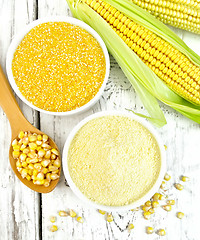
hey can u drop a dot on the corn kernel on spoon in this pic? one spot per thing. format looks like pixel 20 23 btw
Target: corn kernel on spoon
pixel 19 123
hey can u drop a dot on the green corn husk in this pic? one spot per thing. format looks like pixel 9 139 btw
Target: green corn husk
pixel 147 84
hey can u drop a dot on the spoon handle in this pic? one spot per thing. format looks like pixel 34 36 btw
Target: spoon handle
pixel 10 105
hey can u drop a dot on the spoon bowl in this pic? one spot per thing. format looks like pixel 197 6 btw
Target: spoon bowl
pixel 19 123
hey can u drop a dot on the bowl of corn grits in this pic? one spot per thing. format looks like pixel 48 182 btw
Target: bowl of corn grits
pixel 58 65
pixel 114 161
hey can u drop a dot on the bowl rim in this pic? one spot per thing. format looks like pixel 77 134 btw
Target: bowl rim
pixel 18 38
pixel 76 190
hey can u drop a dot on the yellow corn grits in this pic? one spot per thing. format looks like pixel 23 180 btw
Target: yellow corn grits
pixel 114 160
pixel 58 66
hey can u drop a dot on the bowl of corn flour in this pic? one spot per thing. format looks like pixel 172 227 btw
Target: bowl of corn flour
pixel 58 65
pixel 114 161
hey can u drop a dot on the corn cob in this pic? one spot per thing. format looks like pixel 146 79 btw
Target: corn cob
pixel 176 70
pixel 167 57
pixel 181 14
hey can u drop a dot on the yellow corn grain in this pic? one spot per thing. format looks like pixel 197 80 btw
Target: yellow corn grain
pixel 39 137
pixel 167 177
pixel 147 215
pixel 156 196
pixel 185 179
pixel 180 215
pixel 63 213
pixel 15 154
pixel 178 186
pixel 53 228
pixel 54 176
pixel 16 147
pixel 41 153
pixel 149 230
pixel 109 218
pixel 167 208
pixel 28 177
pixel 148 203
pixel 53 219
pixel 40 176
pixel 57 163
pixel 130 226
pixel 38 166
pixel 46 182
pixel 155 204
pixel 14 142
pixel 102 212
pixel 161 232
pixel 52 168
pixel 32 146
pixel 171 202
pixel 54 151
pixel 79 219
pixel 72 213
pixel 45 138
pixel 32 138
pixel 21 134
pixel 39 182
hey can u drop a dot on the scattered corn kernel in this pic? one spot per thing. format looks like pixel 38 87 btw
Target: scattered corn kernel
pixel 180 215
pixel 165 147
pixel 79 219
pixel 148 203
pixel 178 186
pixel 185 179
pixel 163 185
pixel 102 212
pixel 151 210
pixel 167 177
pixel 167 208
pixel 149 230
pixel 63 214
pixel 161 197
pixel 145 208
pixel 72 213
pixel 53 219
pixel 53 228
pixel 109 218
pixel 156 196
pixel 147 215
pixel 155 204
pixel 130 226
pixel 161 232
pixel 171 202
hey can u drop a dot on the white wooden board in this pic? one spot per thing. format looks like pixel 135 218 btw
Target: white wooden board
pixel 25 214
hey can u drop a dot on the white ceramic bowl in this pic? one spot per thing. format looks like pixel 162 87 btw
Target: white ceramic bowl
pixel 79 194
pixel 17 40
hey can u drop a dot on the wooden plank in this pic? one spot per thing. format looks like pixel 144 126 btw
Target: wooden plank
pixel 180 135
pixel 19 206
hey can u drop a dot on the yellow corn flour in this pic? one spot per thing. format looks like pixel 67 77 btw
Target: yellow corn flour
pixel 114 160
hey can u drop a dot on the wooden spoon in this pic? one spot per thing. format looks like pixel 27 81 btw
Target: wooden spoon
pixel 19 123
